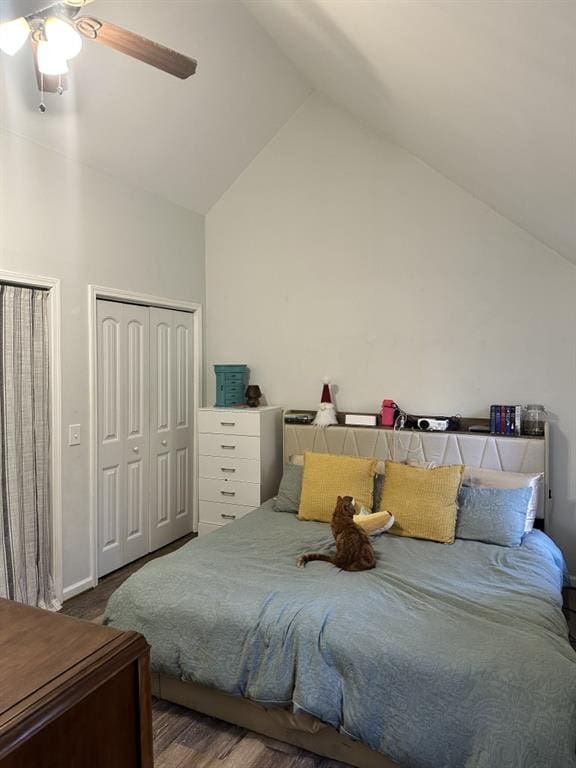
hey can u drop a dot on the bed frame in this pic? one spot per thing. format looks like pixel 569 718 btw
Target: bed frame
pixel 512 454
pixel 300 730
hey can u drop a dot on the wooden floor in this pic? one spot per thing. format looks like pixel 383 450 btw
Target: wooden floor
pixel 186 739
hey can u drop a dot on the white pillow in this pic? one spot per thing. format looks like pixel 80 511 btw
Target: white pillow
pixel 493 478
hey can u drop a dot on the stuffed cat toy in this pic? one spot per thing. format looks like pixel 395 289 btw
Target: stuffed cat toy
pixel 354 551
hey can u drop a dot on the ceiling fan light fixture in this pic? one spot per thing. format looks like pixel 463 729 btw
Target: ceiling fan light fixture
pixel 63 36
pixel 13 35
pixel 50 59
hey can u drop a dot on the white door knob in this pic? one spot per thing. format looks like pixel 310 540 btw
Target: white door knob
pixel 135 449
pixel 164 442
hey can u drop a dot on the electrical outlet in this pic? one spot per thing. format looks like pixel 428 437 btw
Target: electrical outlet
pixel 74 434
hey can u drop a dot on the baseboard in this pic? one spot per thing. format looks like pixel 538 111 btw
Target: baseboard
pixel 77 589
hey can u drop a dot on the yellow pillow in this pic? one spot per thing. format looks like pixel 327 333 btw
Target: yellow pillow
pixel 372 523
pixel 327 476
pixel 423 501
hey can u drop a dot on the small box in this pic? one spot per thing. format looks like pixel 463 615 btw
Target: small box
pixel 360 419
pixel 231 381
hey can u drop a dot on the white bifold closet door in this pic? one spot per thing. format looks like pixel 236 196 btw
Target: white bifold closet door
pixel 171 371
pixel 145 430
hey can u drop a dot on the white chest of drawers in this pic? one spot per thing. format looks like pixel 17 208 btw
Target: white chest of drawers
pixel 240 462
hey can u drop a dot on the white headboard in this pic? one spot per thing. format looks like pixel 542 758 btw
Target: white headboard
pixel 508 454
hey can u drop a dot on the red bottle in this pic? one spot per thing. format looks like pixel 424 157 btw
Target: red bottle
pixel 388 413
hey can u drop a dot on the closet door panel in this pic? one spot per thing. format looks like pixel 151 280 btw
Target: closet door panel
pixel 135 501
pixel 162 475
pixel 162 368
pixel 136 361
pixel 110 536
pixel 164 488
pixel 110 448
pixel 182 482
pixel 184 421
pixel 123 434
pixel 171 424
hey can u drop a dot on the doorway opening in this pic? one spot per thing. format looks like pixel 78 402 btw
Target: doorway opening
pixel 38 421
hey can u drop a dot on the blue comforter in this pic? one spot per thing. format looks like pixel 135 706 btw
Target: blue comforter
pixel 443 656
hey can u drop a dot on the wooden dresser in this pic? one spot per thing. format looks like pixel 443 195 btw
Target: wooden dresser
pixel 72 694
pixel 240 462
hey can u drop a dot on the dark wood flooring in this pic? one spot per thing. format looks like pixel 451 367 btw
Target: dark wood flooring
pixel 186 739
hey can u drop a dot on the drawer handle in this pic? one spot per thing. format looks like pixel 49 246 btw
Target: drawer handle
pixel 227 469
pixel 228 493
pixel 228 447
pixel 227 423
pixel 227 517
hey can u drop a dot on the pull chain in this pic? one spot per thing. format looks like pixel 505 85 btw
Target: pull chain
pixel 42 106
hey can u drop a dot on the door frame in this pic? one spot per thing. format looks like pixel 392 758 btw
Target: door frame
pixel 52 285
pixel 96 292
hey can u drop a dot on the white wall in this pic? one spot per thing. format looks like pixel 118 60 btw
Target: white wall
pixel 63 220
pixel 338 253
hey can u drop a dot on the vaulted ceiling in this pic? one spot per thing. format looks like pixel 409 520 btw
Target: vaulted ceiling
pixel 186 140
pixel 484 91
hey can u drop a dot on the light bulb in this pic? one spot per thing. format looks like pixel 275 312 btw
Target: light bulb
pixel 63 36
pixel 13 35
pixel 50 59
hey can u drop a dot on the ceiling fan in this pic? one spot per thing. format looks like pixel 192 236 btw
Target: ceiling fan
pixel 56 31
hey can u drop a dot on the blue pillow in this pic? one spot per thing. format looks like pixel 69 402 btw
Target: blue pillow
pixel 493 515
pixel 288 498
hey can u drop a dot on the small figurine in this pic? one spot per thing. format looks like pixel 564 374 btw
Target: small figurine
pixel 253 395
pixel 326 414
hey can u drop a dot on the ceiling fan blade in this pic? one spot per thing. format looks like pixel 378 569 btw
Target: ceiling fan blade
pixel 51 82
pixel 138 47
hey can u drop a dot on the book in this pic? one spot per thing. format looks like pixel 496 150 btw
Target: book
pixel 506 420
pixel 508 425
pixel 518 422
pixel 493 419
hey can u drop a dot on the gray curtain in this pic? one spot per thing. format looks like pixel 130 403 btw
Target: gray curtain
pixel 25 524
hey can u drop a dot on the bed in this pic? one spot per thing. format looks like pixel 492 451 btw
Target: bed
pixel 454 656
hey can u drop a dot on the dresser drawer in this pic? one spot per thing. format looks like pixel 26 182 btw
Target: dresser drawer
pixel 226 468
pixel 229 446
pixel 246 494
pixel 220 514
pixel 228 422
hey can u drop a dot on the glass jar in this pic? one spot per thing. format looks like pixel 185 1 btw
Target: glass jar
pixel 533 420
